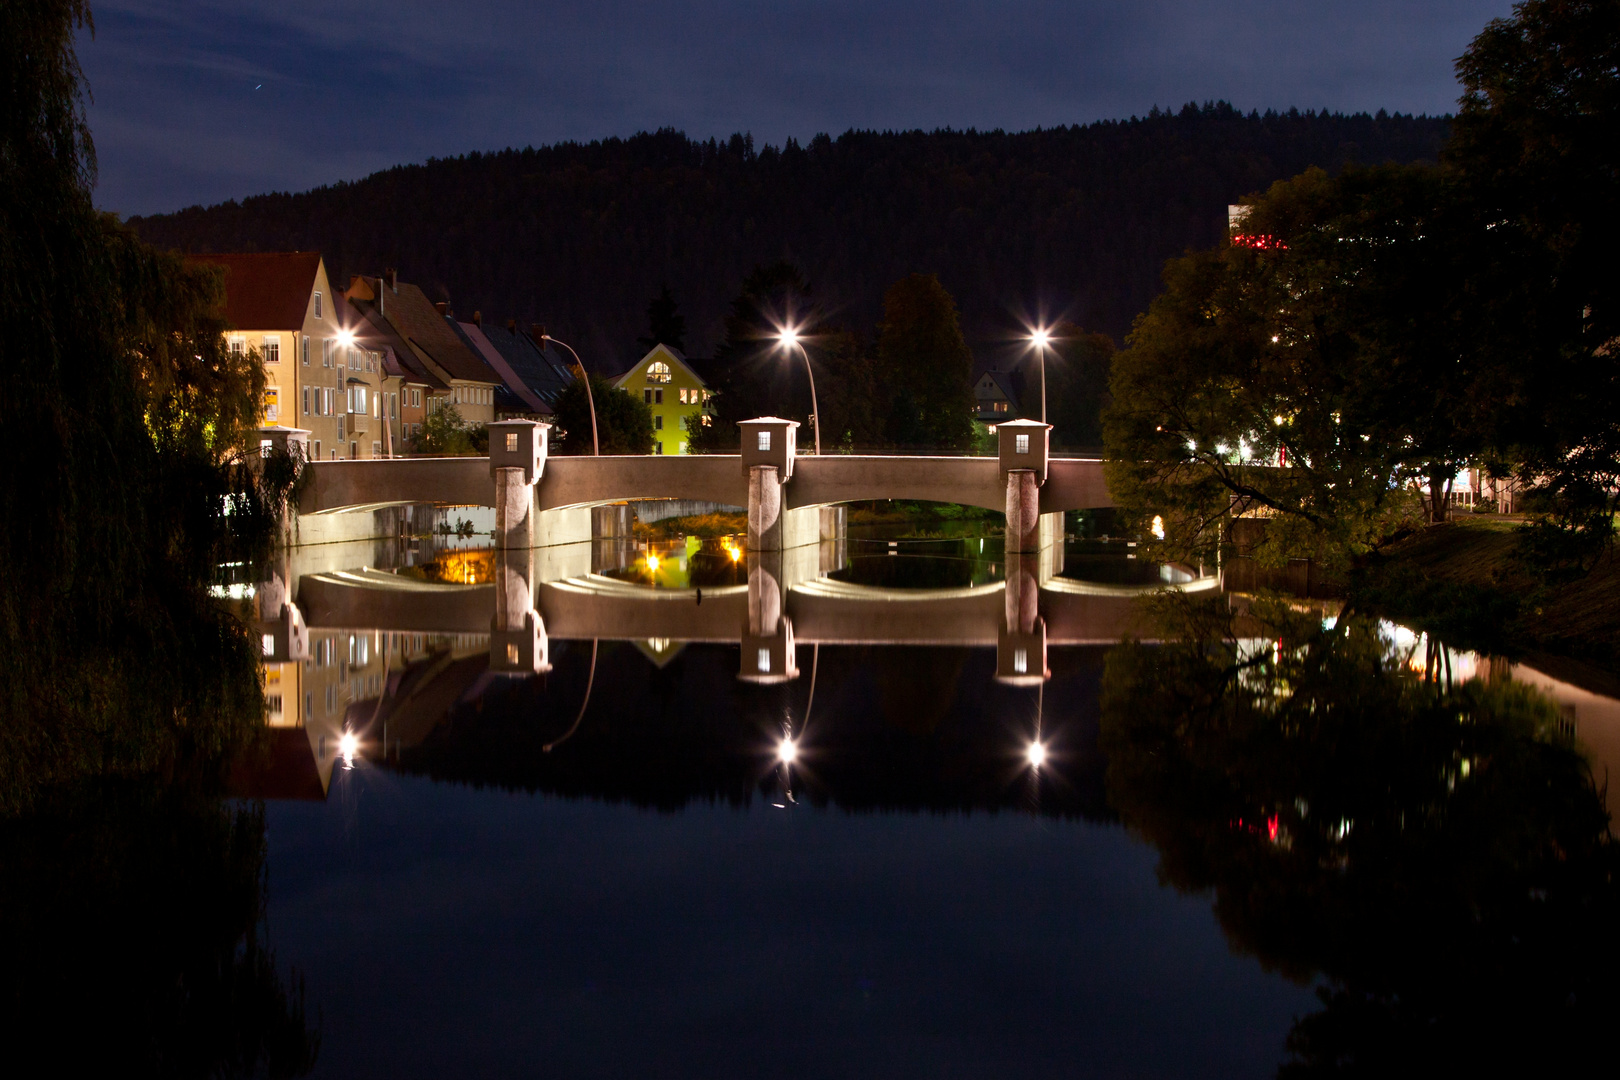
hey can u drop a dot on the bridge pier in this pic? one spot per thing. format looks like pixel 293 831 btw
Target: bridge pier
pixel 1024 447
pixel 517 460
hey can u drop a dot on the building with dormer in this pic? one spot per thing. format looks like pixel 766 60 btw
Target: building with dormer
pixel 673 391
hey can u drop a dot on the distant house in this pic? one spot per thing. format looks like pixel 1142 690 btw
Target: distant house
pixel 672 390
pixel 532 370
pixel 995 397
pixel 279 304
pixel 433 344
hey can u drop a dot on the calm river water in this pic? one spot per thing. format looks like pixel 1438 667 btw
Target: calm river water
pixel 1255 836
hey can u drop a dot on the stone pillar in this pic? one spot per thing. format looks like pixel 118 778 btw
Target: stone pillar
pixel 1023 592
pixel 769 446
pixel 1023 512
pixel 764 508
pixel 517 458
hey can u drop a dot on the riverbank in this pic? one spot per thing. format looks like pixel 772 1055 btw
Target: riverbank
pixel 1465 582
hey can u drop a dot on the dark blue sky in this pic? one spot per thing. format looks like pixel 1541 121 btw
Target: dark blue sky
pixel 204 100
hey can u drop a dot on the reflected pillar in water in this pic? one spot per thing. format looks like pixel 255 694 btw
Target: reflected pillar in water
pixel 281 627
pixel 1021 640
pixel 518 644
pixel 517 458
pixel 1023 447
pixel 768 654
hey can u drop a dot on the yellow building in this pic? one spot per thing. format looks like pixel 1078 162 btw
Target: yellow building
pixel 280 305
pixel 672 390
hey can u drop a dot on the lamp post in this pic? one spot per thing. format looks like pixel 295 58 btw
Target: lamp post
pixel 590 400
pixel 1041 338
pixel 789 338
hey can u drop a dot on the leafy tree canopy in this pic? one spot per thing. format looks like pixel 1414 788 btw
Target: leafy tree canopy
pixel 623 421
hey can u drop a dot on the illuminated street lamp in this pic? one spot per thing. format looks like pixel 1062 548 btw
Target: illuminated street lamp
pixel 1041 338
pixel 789 337
pixel 590 400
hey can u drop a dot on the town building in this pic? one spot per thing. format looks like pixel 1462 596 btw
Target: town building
pixel 279 304
pixel 995 396
pixel 673 391
pixel 429 344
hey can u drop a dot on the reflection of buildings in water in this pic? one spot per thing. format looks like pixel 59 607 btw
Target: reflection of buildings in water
pixel 1591 718
pixel 1594 721
pixel 335 692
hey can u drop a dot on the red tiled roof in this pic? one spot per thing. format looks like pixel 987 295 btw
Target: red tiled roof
pixel 419 322
pixel 267 291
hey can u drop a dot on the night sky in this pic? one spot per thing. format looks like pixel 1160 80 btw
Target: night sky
pixel 206 100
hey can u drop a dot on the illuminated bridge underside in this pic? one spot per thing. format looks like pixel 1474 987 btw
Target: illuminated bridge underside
pixel 1072 483
pixel 822 611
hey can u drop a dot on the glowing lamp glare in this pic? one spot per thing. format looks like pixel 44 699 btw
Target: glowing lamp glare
pixel 1036 755
pixel 787 751
pixel 652 561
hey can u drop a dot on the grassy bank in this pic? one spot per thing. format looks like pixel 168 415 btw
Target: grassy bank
pixel 1467 582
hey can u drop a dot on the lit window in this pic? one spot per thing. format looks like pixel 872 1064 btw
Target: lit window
pixel 317 305
pixel 764 440
pixel 268 644
pixel 272 350
pixel 658 372
pixel 1020 656
pixel 764 661
pixel 511 442
pixel 682 392
pixel 1020 444
pixel 707 420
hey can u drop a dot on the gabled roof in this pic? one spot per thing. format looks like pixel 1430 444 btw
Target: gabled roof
pixel 542 368
pixel 412 315
pixel 266 290
pixel 1004 382
pixel 664 352
pixel 361 317
pixel 525 396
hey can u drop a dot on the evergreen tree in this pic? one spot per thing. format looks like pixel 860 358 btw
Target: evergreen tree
pixel 923 359
pixel 623 421
pixel 665 323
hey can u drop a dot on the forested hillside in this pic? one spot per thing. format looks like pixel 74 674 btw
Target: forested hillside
pixel 1074 221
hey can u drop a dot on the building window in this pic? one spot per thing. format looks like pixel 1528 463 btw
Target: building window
pixel 416 399
pixel 306 401
pixel 376 449
pixel 763 661
pixel 317 305
pixel 304 350
pixel 706 420
pixel 658 423
pixel 658 397
pixel 658 448
pixel 1000 406
pixel 326 352
pixel 511 442
pixel 354 451
pixel 658 372
pixel 1020 444
pixel 646 395
pixel 764 440
pixel 272 350
pixel 317 455
pixel 237 347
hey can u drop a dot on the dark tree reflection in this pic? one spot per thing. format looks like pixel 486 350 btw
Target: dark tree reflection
pixel 1437 855
pixel 130 919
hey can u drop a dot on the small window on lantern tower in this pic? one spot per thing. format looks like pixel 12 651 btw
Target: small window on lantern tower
pixel 1020 444
pixel 764 440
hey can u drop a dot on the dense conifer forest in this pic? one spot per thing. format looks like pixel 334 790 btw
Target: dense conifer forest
pixel 1072 222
